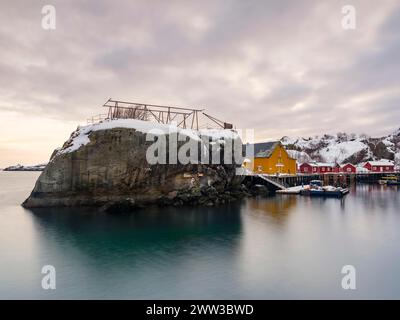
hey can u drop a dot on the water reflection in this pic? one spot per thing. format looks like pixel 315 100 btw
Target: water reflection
pixel 132 249
pixel 378 197
pixel 276 207
pixel 284 246
pixel 281 246
pixel 145 229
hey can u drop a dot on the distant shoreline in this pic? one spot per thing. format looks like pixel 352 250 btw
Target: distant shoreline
pixel 18 167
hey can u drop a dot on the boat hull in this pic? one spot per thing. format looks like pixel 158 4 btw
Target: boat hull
pixel 324 193
pixel 393 183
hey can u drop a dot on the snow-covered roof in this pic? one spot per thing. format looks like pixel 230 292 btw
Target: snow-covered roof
pixel 345 164
pixel 264 149
pixel 382 162
pixel 312 164
pixel 322 164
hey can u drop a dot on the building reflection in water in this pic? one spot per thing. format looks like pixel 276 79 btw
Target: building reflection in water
pixel 277 207
pixel 377 198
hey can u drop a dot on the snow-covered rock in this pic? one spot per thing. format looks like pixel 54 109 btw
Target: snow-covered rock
pixel 106 164
pixel 339 152
pixel 343 147
pixel 300 156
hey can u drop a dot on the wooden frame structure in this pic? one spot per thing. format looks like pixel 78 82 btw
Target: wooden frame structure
pixel 220 123
pixel 183 117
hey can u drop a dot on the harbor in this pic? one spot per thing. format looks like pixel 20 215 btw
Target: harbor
pixel 272 165
pixel 295 184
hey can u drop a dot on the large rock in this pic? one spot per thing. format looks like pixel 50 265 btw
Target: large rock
pixel 105 165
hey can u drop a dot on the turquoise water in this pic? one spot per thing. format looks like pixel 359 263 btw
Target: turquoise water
pixel 276 247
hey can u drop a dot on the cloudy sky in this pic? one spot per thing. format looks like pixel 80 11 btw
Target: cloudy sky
pixel 280 67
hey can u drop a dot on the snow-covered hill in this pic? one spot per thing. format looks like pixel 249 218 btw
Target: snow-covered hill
pixel 343 147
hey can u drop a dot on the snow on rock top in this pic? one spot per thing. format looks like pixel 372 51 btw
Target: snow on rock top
pixel 300 156
pixel 397 132
pixel 80 137
pixel 344 147
pixel 341 151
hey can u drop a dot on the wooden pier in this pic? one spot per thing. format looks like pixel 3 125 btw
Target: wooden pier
pixel 280 182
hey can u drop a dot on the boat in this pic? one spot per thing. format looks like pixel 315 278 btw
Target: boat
pixel 317 189
pixel 390 180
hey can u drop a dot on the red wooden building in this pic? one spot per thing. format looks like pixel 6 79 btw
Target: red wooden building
pixel 380 166
pixel 319 167
pixel 308 168
pixel 348 168
pixel 326 167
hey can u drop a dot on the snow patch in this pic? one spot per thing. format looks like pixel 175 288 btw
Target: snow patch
pixel 300 156
pixel 339 152
pixel 80 137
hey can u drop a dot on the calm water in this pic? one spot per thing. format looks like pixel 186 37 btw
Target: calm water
pixel 278 247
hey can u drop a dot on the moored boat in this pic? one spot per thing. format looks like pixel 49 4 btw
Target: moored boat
pixel 390 180
pixel 317 189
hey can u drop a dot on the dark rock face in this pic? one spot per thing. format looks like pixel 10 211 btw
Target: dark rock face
pixel 259 190
pixel 111 171
pixel 380 151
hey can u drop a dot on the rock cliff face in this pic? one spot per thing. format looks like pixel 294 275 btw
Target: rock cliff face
pixel 105 165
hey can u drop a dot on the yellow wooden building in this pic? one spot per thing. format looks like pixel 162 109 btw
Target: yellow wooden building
pixel 270 158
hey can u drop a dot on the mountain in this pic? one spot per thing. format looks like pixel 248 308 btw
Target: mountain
pixel 343 147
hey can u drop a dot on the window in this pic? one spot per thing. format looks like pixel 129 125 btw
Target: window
pixel 348 169
pixel 373 168
pixel 387 168
pixel 305 169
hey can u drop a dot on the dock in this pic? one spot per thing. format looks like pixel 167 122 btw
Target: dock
pixel 284 184
pixel 292 190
